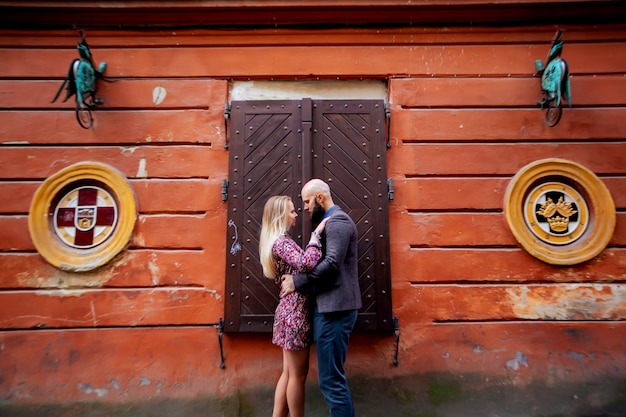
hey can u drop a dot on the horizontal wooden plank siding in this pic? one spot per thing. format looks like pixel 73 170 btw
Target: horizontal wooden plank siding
pixel 463 121
pixel 448 265
pixel 128 94
pixel 467 229
pixel 457 140
pixel 102 308
pixel 133 268
pixel 21 127
pixel 566 301
pixel 587 91
pixel 156 231
pixel 206 37
pixel 472 124
pixel 154 195
pixel 186 161
pixel 298 61
pixel 130 362
pixel 520 350
pixel 512 349
pixel 426 193
pixel 454 159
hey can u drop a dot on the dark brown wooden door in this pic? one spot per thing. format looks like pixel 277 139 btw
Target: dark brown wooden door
pixel 275 146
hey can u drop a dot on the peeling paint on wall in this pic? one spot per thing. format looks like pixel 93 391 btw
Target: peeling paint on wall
pixel 520 360
pixel 569 301
pixel 155 271
pixel 142 172
pixel 89 389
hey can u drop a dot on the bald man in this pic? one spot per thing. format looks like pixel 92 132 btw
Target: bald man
pixel 334 286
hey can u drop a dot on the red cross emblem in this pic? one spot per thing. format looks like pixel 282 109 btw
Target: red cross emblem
pixel 85 217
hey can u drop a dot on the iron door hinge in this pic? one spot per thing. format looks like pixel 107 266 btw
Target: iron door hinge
pixel 388 121
pixel 224 190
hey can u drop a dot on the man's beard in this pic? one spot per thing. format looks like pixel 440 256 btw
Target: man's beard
pixel 317 215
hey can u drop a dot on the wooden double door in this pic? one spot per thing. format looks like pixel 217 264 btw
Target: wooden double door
pixel 277 146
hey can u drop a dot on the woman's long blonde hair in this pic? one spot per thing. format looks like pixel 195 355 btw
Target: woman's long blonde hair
pixel 275 223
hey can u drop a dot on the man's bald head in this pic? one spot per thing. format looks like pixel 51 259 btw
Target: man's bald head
pixel 316 186
pixel 316 192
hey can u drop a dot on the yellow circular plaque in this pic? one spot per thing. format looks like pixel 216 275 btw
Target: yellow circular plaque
pixel 559 211
pixel 82 216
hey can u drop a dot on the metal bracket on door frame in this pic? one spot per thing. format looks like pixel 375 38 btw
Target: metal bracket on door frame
pixel 226 117
pixel 224 190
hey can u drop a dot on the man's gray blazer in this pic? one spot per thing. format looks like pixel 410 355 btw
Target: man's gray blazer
pixel 334 282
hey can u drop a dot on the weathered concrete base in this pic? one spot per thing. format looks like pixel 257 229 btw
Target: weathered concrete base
pixel 417 396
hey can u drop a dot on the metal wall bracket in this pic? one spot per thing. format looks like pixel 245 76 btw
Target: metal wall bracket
pixel 396 331
pixel 390 189
pixel 220 334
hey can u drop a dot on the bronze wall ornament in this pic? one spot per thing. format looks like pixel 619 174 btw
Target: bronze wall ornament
pixel 81 82
pixel 555 81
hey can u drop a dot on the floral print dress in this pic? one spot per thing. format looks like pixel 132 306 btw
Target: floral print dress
pixel 292 324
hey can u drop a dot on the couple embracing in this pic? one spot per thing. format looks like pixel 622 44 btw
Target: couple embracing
pixel 319 297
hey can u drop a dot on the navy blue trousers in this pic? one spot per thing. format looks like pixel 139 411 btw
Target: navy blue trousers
pixel 331 333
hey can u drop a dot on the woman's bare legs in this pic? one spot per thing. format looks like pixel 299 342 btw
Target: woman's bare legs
pixel 298 366
pixel 289 394
pixel 280 394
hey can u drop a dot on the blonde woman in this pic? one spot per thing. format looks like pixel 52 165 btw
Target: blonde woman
pixel 280 255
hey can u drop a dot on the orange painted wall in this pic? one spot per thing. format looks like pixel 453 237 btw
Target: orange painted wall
pixel 464 120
